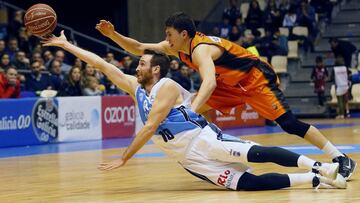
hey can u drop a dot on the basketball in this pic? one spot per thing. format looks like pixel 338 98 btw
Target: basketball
pixel 40 20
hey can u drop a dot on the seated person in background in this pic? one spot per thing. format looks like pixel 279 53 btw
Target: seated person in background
pixel 72 85
pixel 9 84
pixel 92 87
pixel 37 81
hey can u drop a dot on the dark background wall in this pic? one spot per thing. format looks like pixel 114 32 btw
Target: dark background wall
pixel 83 15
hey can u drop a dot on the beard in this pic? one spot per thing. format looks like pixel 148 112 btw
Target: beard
pixel 144 78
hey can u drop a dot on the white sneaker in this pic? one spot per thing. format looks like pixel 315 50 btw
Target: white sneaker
pixel 326 183
pixel 328 170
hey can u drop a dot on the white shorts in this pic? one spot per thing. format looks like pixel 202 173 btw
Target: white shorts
pixel 217 160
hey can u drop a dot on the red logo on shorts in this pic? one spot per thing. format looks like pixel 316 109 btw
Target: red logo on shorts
pixel 223 177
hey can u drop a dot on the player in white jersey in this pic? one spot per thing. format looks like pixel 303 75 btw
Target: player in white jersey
pixel 199 146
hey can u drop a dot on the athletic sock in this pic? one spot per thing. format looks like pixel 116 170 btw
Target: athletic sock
pixel 300 178
pixel 331 150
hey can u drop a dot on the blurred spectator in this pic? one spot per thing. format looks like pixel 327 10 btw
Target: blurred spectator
pixel 36 81
pixel 225 28
pixel 72 85
pixel 272 16
pixel 340 76
pixel 12 48
pixel 284 7
pixel 290 19
pixel 56 76
pixel 234 34
pixel 48 58
pixel 182 77
pixel 2 47
pixel 111 59
pixel 78 63
pixel 21 62
pixel 15 24
pixel 232 12
pixel 174 67
pixel 215 31
pixel 255 16
pixel 23 40
pixel 270 46
pixel 9 84
pixel 306 17
pixel 36 56
pixel 319 76
pixel 92 87
pixel 5 62
pixel 129 65
pixel 323 8
pixel 344 49
pixel 60 56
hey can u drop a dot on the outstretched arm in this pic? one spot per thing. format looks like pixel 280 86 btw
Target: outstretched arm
pixel 125 82
pixel 164 101
pixel 131 45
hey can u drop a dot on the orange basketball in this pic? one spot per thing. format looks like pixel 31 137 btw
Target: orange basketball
pixel 40 20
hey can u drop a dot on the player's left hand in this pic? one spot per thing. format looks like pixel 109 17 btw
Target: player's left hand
pixel 108 166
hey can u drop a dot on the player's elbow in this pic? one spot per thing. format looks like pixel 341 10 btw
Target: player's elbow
pixel 211 84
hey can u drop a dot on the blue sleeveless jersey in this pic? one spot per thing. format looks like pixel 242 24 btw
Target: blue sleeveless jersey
pixel 178 120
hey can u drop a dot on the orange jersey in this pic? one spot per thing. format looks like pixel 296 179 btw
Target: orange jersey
pixel 232 66
pixel 241 77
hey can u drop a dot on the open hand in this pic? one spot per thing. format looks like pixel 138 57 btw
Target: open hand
pixel 108 166
pixel 55 41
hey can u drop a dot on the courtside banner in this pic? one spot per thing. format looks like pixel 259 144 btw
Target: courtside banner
pixel 118 116
pixel 27 121
pixel 79 118
pixel 243 116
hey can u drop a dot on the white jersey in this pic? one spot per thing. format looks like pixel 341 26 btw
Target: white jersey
pixel 180 126
pixel 341 80
pixel 198 146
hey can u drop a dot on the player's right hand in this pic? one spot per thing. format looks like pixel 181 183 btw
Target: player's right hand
pixel 105 27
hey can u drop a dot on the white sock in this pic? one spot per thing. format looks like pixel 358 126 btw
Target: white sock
pixel 305 162
pixel 331 150
pixel 300 178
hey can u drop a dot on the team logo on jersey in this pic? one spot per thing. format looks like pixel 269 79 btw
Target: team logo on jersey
pixel 215 39
pixel 225 178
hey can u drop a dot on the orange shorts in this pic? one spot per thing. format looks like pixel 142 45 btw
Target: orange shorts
pixel 259 89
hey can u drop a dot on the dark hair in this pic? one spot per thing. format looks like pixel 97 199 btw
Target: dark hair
pixel 160 59
pixel 333 39
pixel 319 59
pixel 180 21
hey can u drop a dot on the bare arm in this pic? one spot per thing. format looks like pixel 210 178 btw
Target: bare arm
pixel 164 101
pixel 125 82
pixel 131 45
pixel 202 57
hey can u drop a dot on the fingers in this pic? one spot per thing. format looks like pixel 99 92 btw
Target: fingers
pixel 107 166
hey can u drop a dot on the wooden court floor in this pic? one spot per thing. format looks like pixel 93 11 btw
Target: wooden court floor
pixel 74 177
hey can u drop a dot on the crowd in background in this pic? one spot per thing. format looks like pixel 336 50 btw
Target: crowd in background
pixel 27 68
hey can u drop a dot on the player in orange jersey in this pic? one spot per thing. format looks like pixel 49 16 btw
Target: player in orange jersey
pixel 231 76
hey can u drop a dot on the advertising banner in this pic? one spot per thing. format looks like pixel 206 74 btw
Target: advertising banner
pixel 28 121
pixel 79 118
pixel 118 116
pixel 244 116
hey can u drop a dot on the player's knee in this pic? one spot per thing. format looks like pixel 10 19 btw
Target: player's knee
pixel 292 125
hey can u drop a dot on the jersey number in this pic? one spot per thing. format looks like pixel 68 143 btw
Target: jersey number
pixel 166 135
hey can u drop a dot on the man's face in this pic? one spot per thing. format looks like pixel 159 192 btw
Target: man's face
pixel 127 61
pixel 144 70
pixel 59 55
pixel 109 57
pixel 175 38
pixel 13 44
pixel 20 56
pixel 56 67
pixel 35 68
pixel 11 75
